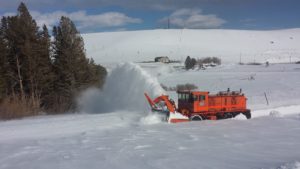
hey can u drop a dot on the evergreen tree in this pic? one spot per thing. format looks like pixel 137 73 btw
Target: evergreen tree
pixel 27 59
pixel 74 72
pixel 36 72
pixel 96 74
pixel 21 35
pixel 29 49
pixel 14 59
pixel 3 59
pixel 44 75
pixel 193 62
pixel 189 63
pixel 60 98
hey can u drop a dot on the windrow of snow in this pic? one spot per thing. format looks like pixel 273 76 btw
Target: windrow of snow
pixel 123 90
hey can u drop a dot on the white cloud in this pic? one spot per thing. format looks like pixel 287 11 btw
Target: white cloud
pixel 83 20
pixel 194 19
pixel 49 19
pixel 109 19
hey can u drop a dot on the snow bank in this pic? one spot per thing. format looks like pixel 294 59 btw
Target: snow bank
pixel 124 90
pixel 277 112
pixel 294 165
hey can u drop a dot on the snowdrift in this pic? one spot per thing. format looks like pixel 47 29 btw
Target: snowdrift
pixel 123 90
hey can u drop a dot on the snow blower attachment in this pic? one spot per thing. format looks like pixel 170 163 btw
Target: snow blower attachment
pixel 164 105
pixel 198 105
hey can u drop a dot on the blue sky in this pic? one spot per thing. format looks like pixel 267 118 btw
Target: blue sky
pixel 116 15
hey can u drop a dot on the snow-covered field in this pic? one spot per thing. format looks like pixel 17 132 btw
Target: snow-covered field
pixel 117 140
pixel 115 128
pixel 230 45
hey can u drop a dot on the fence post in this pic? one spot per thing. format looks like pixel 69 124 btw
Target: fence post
pixel 266 98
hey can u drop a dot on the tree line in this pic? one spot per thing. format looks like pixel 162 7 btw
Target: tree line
pixel 190 63
pixel 39 73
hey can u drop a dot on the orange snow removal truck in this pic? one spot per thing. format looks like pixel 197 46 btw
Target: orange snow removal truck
pixel 200 105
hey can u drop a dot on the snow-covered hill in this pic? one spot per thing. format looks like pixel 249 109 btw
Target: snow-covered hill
pixel 229 45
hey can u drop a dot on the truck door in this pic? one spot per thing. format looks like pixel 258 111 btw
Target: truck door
pixel 201 102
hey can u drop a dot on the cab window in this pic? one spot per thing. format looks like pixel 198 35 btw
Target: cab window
pixel 187 97
pixel 195 97
pixel 183 96
pixel 180 96
pixel 202 98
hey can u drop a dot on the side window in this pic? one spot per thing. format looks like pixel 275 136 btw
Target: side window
pixel 186 97
pixel 195 97
pixel 202 98
pixel 179 96
pixel 182 96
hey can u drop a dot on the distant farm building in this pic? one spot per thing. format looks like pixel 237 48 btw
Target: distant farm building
pixel 162 59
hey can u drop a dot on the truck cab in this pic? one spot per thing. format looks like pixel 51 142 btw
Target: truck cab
pixel 192 101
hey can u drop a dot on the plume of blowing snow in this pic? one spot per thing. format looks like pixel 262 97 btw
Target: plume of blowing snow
pixel 123 90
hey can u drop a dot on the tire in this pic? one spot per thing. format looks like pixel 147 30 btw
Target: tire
pixel 247 114
pixel 228 115
pixel 196 118
pixel 220 116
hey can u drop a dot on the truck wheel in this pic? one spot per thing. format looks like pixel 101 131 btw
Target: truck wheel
pixel 196 118
pixel 220 116
pixel 247 114
pixel 228 116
